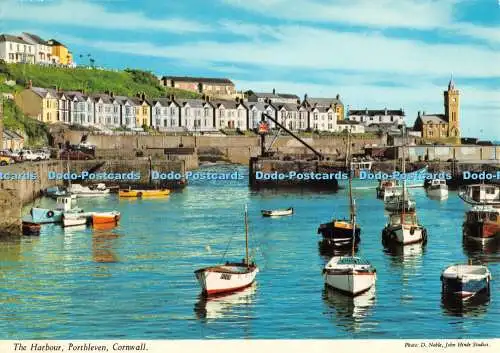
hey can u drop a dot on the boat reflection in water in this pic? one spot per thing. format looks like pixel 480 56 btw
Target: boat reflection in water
pixel 481 252
pixel 228 305
pixel 102 247
pixel 407 255
pixel 327 251
pixel 476 306
pixel 350 312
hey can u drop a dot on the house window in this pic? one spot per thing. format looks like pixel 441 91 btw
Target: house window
pixel 127 121
pixel 187 113
pixel 115 109
pixel 205 112
pixel 144 110
pixel 165 121
pixel 172 111
pixel 172 122
pixel 330 116
pixel 127 111
pixel 116 120
pixel 315 116
pixel 158 111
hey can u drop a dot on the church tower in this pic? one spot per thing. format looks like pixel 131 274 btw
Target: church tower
pixel 452 110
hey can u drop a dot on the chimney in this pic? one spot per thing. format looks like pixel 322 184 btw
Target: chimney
pixel 143 96
pixel 305 97
pixel 274 91
pixel 337 97
pixel 112 94
pixel 237 99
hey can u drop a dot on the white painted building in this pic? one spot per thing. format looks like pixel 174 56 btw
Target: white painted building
pixel 43 50
pixel 165 115
pixel 14 49
pixel 384 116
pixel 323 119
pixel 128 111
pixel 292 116
pixel 81 108
pixel 197 115
pixel 353 126
pixel 230 114
pixel 274 97
pixel 255 111
pixel 107 111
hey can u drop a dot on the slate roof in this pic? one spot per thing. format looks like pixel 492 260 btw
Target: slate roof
pixel 374 112
pixel 275 95
pixel 36 38
pixel 322 102
pixel 434 119
pixel 11 38
pixel 55 42
pixel 259 105
pixel 199 79
pixel 194 103
pixel 228 104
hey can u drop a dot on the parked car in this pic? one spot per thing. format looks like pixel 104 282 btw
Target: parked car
pixel 29 155
pixel 45 154
pixel 75 155
pixel 4 160
pixel 13 155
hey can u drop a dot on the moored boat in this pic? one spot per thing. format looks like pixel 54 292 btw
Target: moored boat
pixel 73 219
pixel 481 194
pixel 464 282
pixel 482 223
pixel 230 277
pixel 88 191
pixel 437 188
pixel 340 233
pixel 277 213
pixel 112 217
pixel 387 188
pixel 31 228
pixel 351 275
pixel 397 203
pixel 137 193
pixel 54 215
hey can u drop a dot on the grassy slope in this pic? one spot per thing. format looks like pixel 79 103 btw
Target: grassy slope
pixel 128 82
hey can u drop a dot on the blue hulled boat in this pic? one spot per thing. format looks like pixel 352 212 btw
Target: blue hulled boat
pixel 54 215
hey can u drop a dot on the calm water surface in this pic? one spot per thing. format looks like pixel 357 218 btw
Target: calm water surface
pixel 136 280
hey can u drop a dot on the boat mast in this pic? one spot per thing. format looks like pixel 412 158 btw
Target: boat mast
pixel 404 177
pixel 246 236
pixel 351 201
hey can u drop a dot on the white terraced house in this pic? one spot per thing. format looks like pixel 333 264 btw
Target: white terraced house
pixel 230 115
pixel 197 115
pixel 81 108
pixel 43 50
pixel 323 119
pixel 14 49
pixel 382 116
pixel 165 115
pixel 128 111
pixel 292 116
pixel 255 111
pixel 107 111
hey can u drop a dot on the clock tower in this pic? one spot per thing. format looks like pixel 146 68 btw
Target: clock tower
pixel 451 110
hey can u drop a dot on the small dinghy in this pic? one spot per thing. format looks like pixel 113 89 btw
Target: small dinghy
pixel 351 275
pixel 277 213
pixel 105 217
pixel 464 282
pixel 73 219
pixel 230 277
pixel 31 228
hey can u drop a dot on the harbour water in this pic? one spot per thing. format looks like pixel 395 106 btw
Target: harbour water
pixel 136 280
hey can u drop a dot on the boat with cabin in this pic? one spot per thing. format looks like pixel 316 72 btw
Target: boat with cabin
pixel 464 282
pixel 482 223
pixel 230 277
pixel 54 215
pixel 342 232
pixel 396 203
pixel 89 191
pixel 277 213
pixel 481 194
pixel 360 166
pixel 437 188
pixel 388 188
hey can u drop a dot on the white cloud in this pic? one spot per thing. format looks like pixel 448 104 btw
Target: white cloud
pixel 307 48
pixel 85 14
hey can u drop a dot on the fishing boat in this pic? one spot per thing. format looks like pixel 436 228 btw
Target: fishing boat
pixel 403 227
pixel 230 277
pixel 73 220
pixel 31 228
pixel 112 217
pixel 341 233
pixel 277 213
pixel 437 188
pixel 396 203
pixel 48 215
pixel 482 223
pixel 134 193
pixel 55 192
pixel 88 191
pixel 464 282
pixel 387 188
pixel 481 194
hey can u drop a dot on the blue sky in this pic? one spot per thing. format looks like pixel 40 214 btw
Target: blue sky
pixel 374 53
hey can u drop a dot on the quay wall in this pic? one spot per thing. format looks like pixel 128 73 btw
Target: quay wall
pixel 462 153
pixel 14 194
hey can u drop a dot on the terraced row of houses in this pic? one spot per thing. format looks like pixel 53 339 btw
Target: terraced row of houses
pixel 109 111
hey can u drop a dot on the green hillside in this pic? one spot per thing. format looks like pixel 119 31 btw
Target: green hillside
pixel 127 82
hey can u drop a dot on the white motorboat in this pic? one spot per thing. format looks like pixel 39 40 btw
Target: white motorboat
pixel 277 213
pixel 481 194
pixel 437 188
pixel 230 277
pixel 396 203
pixel 464 282
pixel 352 275
pixel 388 188
pixel 89 191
